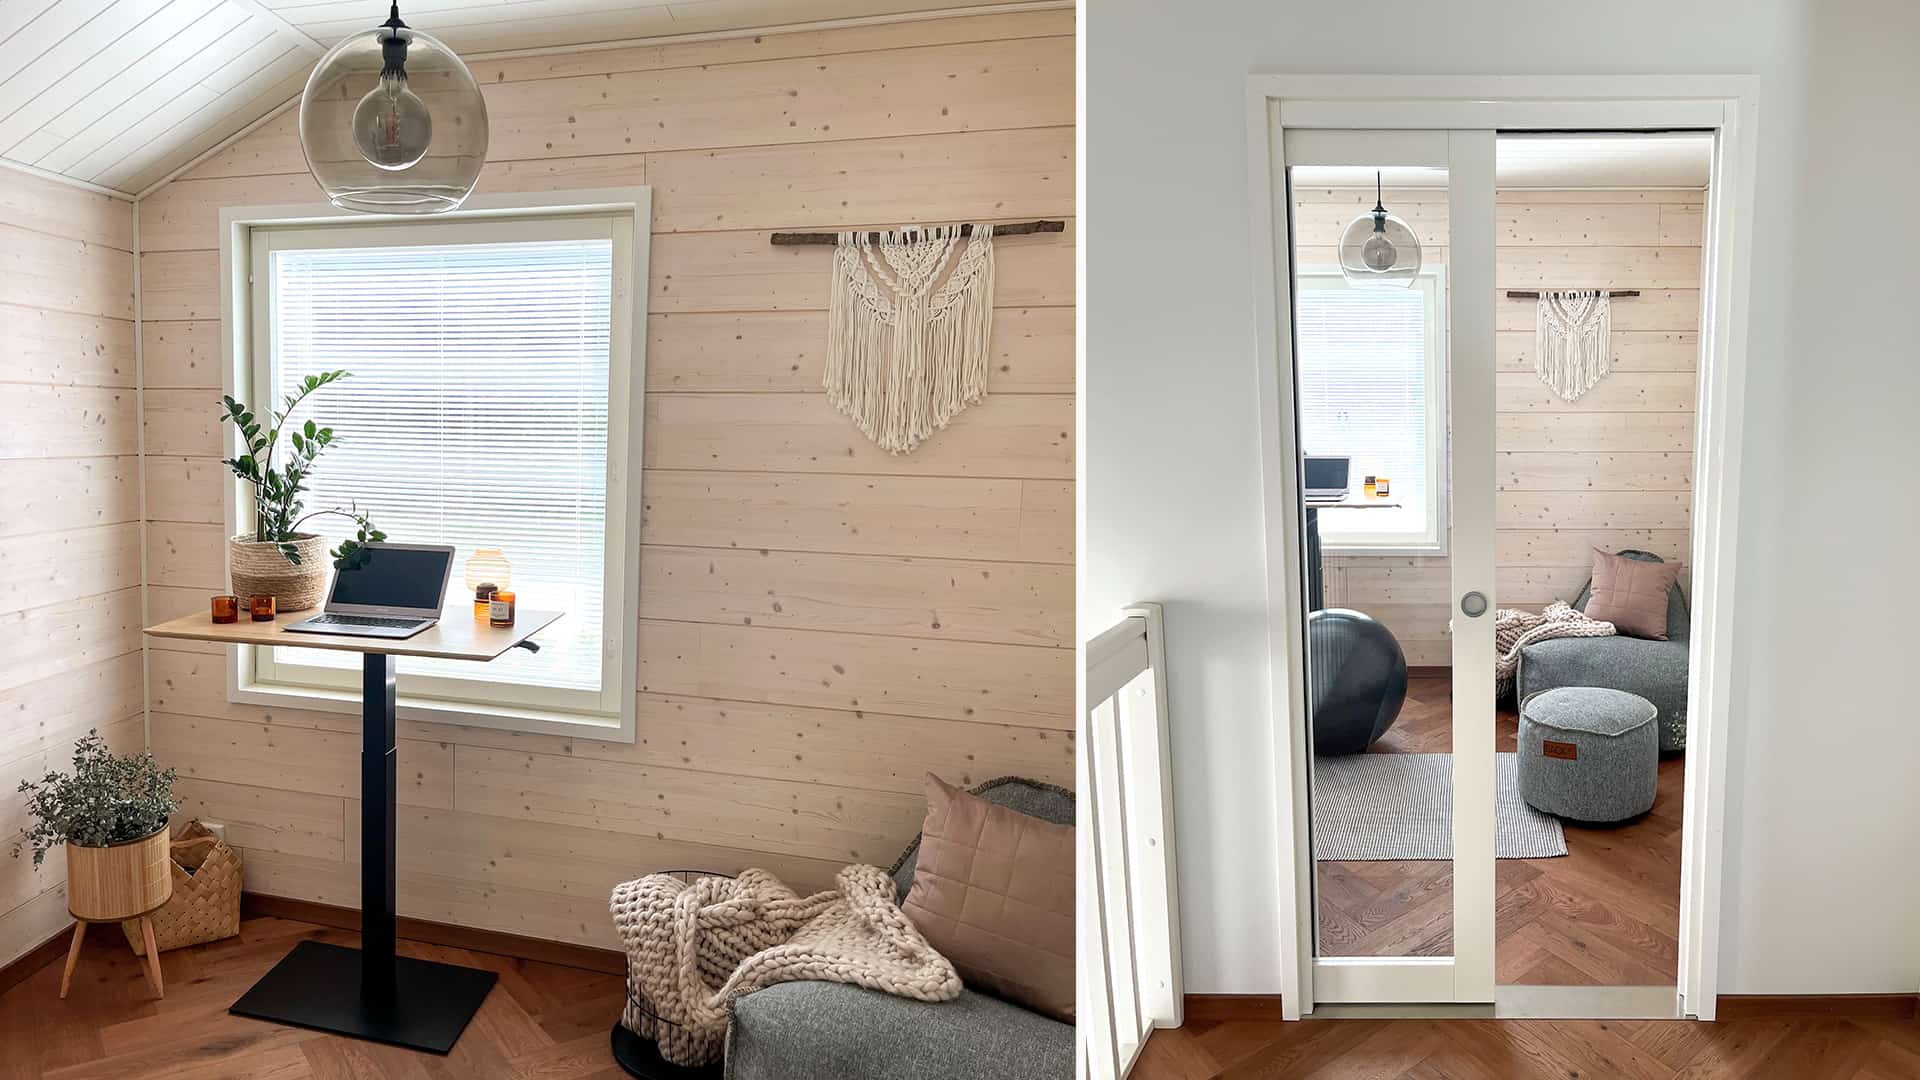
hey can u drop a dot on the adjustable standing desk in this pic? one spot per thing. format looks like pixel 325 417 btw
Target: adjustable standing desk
pixel 370 992
pixel 1316 580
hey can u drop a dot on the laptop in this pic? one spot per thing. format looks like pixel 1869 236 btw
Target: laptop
pixel 396 592
pixel 1327 476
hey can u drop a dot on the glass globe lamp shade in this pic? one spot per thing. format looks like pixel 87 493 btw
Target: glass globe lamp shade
pixel 1377 248
pixel 393 123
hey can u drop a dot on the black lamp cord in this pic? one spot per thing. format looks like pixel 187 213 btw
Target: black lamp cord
pixel 1379 206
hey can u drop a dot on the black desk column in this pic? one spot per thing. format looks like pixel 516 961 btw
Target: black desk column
pixel 371 992
pixel 1316 578
pixel 378 836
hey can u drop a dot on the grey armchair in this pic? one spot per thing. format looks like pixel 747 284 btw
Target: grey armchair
pixel 831 1031
pixel 1655 670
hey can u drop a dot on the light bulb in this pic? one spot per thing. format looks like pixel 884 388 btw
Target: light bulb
pixel 1378 252
pixel 391 125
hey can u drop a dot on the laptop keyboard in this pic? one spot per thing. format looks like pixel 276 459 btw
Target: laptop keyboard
pixel 361 620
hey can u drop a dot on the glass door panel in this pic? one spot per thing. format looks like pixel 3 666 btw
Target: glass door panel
pixel 1397 513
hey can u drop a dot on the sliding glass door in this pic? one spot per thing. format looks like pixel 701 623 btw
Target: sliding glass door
pixel 1391 292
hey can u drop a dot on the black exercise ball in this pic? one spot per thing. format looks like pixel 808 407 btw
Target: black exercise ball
pixel 1359 680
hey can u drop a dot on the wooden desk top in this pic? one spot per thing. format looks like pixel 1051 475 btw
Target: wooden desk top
pixel 457 636
pixel 1355 500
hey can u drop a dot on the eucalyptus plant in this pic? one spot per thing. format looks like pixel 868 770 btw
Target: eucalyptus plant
pixel 277 487
pixel 106 800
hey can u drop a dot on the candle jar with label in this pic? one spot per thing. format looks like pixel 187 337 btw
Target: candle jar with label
pixel 500 613
pixel 262 607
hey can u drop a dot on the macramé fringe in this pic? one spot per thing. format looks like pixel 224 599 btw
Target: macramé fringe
pixel 904 358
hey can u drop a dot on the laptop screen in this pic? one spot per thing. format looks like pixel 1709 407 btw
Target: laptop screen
pixel 1326 473
pixel 394 577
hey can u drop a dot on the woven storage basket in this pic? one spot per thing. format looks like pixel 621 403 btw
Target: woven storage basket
pixel 259 569
pixel 206 894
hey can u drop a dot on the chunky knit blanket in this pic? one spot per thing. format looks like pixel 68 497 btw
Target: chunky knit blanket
pixel 693 947
pixel 1515 630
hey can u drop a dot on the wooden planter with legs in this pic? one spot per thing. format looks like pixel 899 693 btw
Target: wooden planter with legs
pixel 128 880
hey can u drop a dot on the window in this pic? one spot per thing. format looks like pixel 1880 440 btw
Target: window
pixel 490 400
pixel 1373 377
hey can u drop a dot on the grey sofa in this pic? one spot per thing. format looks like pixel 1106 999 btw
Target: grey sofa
pixel 830 1031
pixel 1655 670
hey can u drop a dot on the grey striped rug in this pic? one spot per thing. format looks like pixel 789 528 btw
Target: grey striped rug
pixel 1369 807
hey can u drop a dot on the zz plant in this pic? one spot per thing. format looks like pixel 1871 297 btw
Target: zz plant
pixel 105 800
pixel 277 487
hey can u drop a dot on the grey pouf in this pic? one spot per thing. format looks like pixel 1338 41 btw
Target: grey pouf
pixel 1589 754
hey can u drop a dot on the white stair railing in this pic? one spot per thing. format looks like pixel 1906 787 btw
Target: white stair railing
pixel 1128 908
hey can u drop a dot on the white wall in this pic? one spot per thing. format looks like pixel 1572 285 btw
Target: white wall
pixel 1822 867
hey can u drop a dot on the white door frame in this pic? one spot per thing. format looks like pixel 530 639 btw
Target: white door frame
pixel 1722 104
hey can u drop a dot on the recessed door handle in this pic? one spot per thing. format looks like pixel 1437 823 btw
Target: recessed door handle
pixel 1474 604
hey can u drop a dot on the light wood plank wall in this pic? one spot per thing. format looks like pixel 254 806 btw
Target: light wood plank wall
pixel 821 623
pixel 1612 470
pixel 70 538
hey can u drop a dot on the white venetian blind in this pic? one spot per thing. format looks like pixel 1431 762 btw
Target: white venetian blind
pixel 1363 393
pixel 475 415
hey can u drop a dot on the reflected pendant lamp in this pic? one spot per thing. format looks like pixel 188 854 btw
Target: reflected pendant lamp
pixel 393 123
pixel 1378 249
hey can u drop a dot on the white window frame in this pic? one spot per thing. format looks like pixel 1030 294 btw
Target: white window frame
pixel 248 235
pixel 1431 281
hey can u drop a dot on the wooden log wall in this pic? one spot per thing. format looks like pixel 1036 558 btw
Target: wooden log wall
pixel 1611 470
pixel 70 532
pixel 821 623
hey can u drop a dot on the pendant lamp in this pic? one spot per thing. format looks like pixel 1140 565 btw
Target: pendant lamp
pixel 1377 248
pixel 393 123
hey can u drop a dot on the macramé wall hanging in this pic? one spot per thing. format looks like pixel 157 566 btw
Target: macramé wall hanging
pixel 1571 345
pixel 908 323
pixel 1572 328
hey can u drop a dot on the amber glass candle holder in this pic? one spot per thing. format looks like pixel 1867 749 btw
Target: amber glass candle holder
pixel 226 609
pixel 262 608
pixel 500 612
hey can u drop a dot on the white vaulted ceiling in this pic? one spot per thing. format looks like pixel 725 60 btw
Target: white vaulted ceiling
pixel 119 93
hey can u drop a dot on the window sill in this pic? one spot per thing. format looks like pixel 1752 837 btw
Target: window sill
pixel 434 711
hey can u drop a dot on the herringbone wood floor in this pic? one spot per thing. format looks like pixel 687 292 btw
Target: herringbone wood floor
pixel 1786 1047
pixel 1605 914
pixel 541 1020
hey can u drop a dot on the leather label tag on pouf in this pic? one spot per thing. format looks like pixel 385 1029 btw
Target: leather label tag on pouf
pixel 1565 751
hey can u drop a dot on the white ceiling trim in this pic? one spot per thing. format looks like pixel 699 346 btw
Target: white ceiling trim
pixel 783 28
pixel 628 43
pixel 70 181
pixel 304 39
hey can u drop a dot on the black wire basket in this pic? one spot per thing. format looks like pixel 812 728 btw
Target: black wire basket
pixel 637 1051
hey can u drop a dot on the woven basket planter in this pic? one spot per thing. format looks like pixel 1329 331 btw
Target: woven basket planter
pixel 206 894
pixel 118 881
pixel 261 570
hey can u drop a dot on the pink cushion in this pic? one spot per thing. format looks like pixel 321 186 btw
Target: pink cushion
pixel 993 892
pixel 1631 594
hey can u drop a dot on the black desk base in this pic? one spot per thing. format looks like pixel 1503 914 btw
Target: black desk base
pixel 371 992
pixel 318 986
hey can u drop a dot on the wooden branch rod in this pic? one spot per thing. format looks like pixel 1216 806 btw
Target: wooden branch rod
pixel 1023 228
pixel 1517 294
